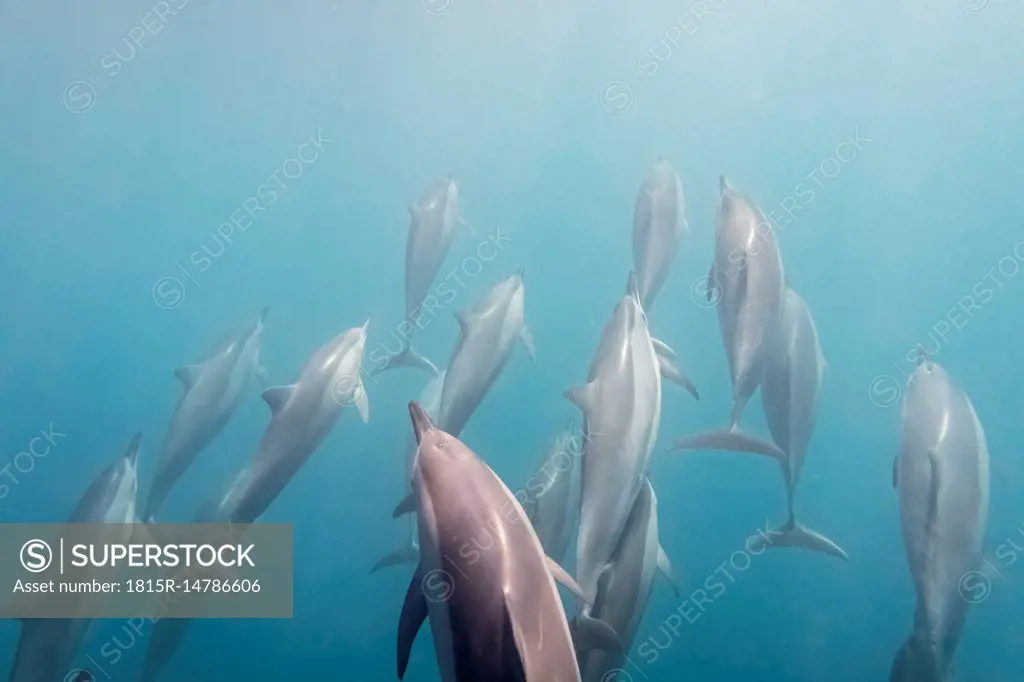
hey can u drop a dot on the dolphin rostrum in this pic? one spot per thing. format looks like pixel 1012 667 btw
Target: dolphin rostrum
pixel 432 227
pixel 942 477
pixel 790 392
pixel 302 415
pixel 552 495
pixel 483 579
pixel 211 392
pixel 47 646
pixel 658 221
pixel 430 399
pixel 626 586
pixel 621 405
pixel 746 277
pixel 490 330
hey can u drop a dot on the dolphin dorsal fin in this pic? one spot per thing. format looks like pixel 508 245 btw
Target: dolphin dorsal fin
pixel 188 375
pixel 277 396
pixel 583 396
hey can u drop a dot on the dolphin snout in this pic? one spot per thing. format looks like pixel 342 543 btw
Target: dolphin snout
pixel 421 422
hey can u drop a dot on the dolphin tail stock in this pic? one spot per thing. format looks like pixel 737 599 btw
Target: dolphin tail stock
pixel 410 554
pixel 793 534
pixel 408 358
pixel 729 440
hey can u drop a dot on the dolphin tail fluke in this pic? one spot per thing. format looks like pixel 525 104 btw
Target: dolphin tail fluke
pixel 732 441
pixel 408 358
pixel 796 535
pixel 403 555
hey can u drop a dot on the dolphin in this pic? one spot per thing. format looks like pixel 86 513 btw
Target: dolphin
pixel 621 405
pixel 302 415
pixel 552 495
pixel 211 392
pixel 430 399
pixel 790 392
pixel 941 475
pixel 432 228
pixel 490 330
pixel 47 646
pixel 747 279
pixel 626 585
pixel 483 579
pixel 658 222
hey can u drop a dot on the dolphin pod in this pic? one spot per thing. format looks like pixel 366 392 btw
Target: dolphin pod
pixel 489 332
pixel 47 647
pixel 499 615
pixel 432 228
pixel 211 392
pixel 941 475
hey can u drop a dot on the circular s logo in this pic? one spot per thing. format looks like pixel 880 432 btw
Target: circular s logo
pixel 36 556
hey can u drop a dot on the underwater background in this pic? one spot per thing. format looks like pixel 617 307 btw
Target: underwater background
pixel 121 156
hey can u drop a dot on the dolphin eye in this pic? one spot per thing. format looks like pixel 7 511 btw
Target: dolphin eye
pixel 442 444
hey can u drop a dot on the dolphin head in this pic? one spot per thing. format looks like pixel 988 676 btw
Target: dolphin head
pixel 437 452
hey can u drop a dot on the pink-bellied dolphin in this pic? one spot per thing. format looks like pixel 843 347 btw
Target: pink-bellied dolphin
pixel 489 332
pixel 483 579
pixel 790 393
pixel 625 586
pixel 659 220
pixel 747 279
pixel 211 392
pixel 302 415
pixel 47 646
pixel 432 227
pixel 621 405
pixel 942 477
pixel 430 399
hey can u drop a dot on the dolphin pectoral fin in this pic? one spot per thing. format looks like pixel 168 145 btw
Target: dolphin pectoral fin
pixel 526 338
pixel 408 358
pixel 662 349
pixel 665 566
pixel 733 441
pixel 414 612
pixel 413 211
pixel 592 633
pixel 583 396
pixel 671 371
pixel 188 374
pixel 895 471
pixel 712 284
pixel 796 535
pixel 403 555
pixel 465 320
pixel 362 402
pixel 562 577
pixel 467 225
pixel 406 506
pixel 277 396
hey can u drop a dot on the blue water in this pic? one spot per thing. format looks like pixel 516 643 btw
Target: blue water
pixel 121 159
